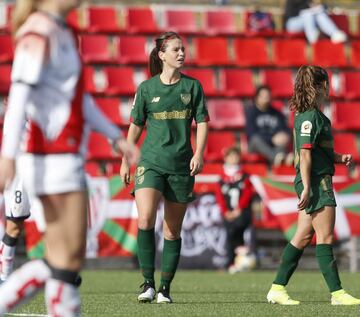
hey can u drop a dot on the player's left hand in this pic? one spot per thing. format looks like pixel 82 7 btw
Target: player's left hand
pixel 196 165
pixel 347 159
pixel 7 172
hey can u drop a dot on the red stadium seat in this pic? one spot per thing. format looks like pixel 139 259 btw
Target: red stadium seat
pixel 5 75
pixel 217 144
pixel 237 82
pixel 211 51
pixel 327 54
pixel 99 148
pixel 342 21
pixel 74 19
pixel 226 113
pixel 283 170
pixel 132 50
pixel 206 77
pixel 251 52
pixel 220 22
pixel 96 49
pixel 355 53
pixel 346 115
pixel 140 20
pixel 279 81
pixel 6 48
pixel 346 143
pixel 182 21
pixel 289 52
pixel 120 81
pixel 111 107
pixel 352 84
pixel 95 80
pixel 103 19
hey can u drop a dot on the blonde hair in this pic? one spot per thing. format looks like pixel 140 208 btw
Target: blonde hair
pixel 22 10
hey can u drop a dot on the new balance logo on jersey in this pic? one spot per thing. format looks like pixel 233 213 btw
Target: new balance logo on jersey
pixel 155 99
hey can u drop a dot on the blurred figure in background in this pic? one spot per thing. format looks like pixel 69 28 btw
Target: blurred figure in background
pixel 310 16
pixel 235 202
pixel 267 130
pixel 259 21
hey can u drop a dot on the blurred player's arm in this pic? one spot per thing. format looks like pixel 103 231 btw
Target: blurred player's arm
pixel 99 122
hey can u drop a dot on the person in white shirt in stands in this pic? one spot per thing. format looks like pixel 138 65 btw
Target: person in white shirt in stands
pixel 47 92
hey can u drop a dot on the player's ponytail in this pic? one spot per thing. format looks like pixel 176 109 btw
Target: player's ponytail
pixel 22 10
pixel 155 63
pixel 308 88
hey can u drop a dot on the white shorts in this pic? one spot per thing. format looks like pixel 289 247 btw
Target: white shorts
pixel 17 202
pixel 52 173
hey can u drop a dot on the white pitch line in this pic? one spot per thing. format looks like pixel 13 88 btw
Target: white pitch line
pixel 28 315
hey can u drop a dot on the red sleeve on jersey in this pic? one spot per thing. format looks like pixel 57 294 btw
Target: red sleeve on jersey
pixel 307 146
pixel 246 194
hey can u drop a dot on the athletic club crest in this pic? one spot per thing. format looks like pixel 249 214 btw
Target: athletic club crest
pixel 185 98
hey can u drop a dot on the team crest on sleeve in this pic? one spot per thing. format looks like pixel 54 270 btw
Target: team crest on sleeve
pixel 306 127
pixel 185 98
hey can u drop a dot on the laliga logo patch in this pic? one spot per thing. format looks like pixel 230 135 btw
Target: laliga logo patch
pixel 306 127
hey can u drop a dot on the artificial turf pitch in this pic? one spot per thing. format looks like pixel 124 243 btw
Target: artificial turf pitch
pixel 206 293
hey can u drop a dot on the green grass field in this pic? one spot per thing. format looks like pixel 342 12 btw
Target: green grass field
pixel 206 293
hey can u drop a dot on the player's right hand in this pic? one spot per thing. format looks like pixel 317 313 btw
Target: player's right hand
pixel 129 150
pixel 304 199
pixel 7 172
pixel 125 172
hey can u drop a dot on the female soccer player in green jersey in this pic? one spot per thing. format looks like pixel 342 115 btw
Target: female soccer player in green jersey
pixel 314 161
pixel 167 103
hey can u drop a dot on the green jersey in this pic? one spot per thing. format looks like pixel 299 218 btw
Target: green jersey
pixel 168 111
pixel 313 131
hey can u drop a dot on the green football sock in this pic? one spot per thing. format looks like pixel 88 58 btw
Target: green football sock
pixel 328 266
pixel 146 253
pixel 169 261
pixel 289 262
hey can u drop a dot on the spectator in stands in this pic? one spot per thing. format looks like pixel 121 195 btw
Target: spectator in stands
pixel 267 131
pixel 47 93
pixel 259 21
pixel 235 198
pixel 315 159
pixel 310 16
pixel 167 103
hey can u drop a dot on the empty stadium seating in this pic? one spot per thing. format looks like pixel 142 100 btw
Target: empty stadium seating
pixel 289 52
pixel 237 82
pixel 251 52
pixel 181 21
pixel 211 51
pixel 206 77
pixel 111 108
pixel 218 142
pixel 352 84
pixel 345 115
pixel 327 54
pixel 346 143
pixel 132 50
pixel 96 49
pixel 280 82
pixel 99 148
pixel 355 53
pixel 140 20
pixel 226 113
pixel 220 22
pixel 103 19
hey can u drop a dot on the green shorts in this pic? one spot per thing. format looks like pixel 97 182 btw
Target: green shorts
pixel 321 193
pixel 177 188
